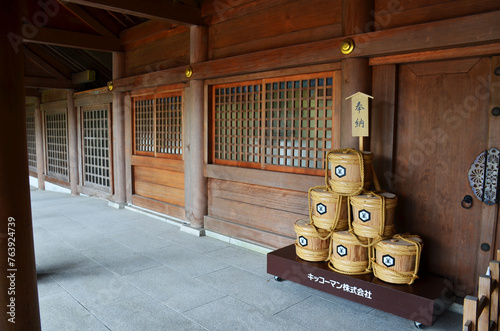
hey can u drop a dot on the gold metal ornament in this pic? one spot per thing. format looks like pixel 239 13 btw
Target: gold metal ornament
pixel 189 72
pixel 110 85
pixel 347 46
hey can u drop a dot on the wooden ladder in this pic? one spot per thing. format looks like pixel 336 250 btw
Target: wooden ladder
pixel 481 314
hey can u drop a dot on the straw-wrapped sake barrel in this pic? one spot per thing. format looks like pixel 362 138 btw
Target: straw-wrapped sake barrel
pixel 345 173
pixel 367 217
pixel 309 246
pixel 324 206
pixel 347 255
pixel 397 259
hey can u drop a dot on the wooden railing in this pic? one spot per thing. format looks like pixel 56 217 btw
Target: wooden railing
pixel 481 312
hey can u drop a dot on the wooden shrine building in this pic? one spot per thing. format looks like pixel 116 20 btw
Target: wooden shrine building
pixel 219 113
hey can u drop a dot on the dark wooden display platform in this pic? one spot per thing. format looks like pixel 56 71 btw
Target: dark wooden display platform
pixel 421 302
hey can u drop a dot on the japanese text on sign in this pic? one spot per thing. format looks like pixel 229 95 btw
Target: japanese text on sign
pixel 341 286
pixel 360 119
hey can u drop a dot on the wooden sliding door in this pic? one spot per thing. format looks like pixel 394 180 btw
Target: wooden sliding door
pixel 443 116
pixel 157 161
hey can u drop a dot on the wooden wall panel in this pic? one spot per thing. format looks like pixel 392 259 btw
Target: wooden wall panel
pixel 157 53
pixel 267 197
pixel 235 230
pixel 392 14
pixel 268 27
pixel 157 182
pixel 161 207
pixel 167 194
pixel 53 95
pixel 158 176
pixel 254 207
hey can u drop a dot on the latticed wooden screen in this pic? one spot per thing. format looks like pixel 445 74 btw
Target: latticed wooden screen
pixel 96 151
pixel 31 137
pixel 283 124
pixel 144 125
pixel 158 125
pixel 169 124
pixel 237 121
pixel 57 145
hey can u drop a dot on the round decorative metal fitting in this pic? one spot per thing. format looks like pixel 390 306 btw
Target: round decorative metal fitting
pixel 189 72
pixel 110 85
pixel 347 46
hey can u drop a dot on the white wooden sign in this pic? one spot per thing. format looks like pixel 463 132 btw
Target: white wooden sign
pixel 360 119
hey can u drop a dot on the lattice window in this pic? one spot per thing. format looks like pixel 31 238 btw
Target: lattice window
pixel 237 120
pixel 144 125
pixel 298 129
pixel 158 125
pixel 31 137
pixel 57 145
pixel 169 124
pixel 283 124
pixel 96 158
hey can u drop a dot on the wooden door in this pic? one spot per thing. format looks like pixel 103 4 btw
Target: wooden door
pixel 442 125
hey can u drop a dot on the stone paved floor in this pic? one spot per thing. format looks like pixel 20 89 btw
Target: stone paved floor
pixel 100 268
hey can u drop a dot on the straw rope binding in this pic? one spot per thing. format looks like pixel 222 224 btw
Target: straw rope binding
pixel 314 220
pixel 397 277
pixel 350 267
pixel 311 255
pixel 347 188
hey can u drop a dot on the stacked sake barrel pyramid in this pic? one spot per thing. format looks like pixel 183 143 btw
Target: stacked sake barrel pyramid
pixel 353 228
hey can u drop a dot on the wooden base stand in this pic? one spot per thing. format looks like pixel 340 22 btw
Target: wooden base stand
pixel 421 302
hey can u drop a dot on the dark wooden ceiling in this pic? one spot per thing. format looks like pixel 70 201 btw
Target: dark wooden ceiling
pixel 62 38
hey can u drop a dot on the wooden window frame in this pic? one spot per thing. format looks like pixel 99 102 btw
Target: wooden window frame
pixel 154 97
pixel 31 142
pixel 49 173
pixel 84 182
pixel 333 74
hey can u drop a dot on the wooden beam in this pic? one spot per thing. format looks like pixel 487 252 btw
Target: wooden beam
pixel 451 53
pixel 44 65
pixel 88 19
pixel 165 10
pixel 39 82
pixel 75 39
pixel 460 32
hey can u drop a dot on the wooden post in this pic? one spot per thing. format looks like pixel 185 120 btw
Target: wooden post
pixel 470 313
pixel 194 180
pixel 383 122
pixel 73 143
pixel 356 72
pixel 483 322
pixel 495 275
pixel 127 110
pixel 118 120
pixel 18 294
pixel 40 160
pixel 356 76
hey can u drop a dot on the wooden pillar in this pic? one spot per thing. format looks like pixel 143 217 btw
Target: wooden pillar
pixel 356 73
pixel 18 294
pixel 195 181
pixel 127 110
pixel 72 143
pixel 118 118
pixel 40 160
pixel 383 122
